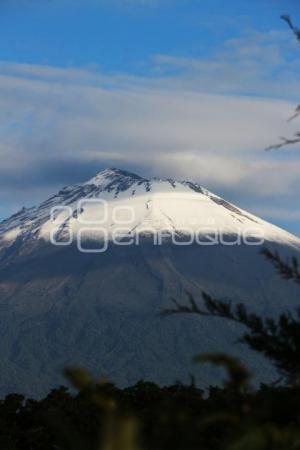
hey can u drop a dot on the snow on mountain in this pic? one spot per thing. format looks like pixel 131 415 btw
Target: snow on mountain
pixel 119 204
pixel 61 307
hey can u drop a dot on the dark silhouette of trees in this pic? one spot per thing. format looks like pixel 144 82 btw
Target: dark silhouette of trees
pixel 148 417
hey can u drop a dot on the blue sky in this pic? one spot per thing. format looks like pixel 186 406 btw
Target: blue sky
pixel 190 88
pixel 122 35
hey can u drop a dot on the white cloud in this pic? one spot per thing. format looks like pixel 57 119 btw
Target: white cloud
pixel 86 121
pixel 257 63
pixel 216 138
pixel 191 123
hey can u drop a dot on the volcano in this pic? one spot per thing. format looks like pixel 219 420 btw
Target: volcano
pixel 85 275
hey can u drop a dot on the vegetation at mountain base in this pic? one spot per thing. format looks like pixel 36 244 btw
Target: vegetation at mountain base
pixel 147 416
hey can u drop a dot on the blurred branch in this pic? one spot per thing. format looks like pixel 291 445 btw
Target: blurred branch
pixel 296 114
pixel 296 139
pixel 295 30
pixel 284 142
pixel 238 375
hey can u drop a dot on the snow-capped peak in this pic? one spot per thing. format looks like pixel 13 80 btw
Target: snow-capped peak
pixel 118 180
pixel 113 175
pixel 116 198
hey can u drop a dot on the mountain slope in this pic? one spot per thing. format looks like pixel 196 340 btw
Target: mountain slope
pixel 61 307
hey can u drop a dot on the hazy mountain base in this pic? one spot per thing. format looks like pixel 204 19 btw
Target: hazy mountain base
pixel 62 308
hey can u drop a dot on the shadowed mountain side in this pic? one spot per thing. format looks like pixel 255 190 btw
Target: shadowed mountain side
pixel 60 307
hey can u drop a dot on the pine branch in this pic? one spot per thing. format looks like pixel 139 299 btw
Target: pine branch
pixel 289 270
pixel 295 30
pixel 278 340
pixel 285 142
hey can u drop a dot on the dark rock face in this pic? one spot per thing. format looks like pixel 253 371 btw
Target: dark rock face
pixel 60 307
